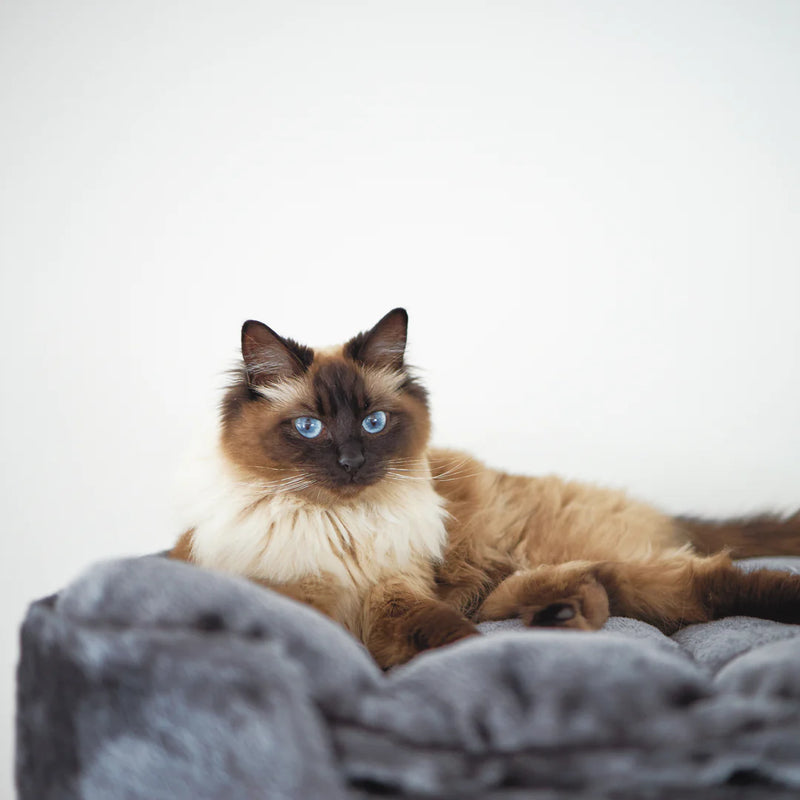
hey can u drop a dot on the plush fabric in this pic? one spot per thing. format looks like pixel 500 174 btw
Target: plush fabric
pixel 148 679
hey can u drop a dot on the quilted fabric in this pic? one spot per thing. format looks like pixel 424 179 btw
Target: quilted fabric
pixel 148 678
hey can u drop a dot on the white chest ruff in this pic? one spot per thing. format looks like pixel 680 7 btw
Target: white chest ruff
pixel 282 538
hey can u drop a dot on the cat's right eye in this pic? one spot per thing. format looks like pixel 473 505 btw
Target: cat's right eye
pixel 310 427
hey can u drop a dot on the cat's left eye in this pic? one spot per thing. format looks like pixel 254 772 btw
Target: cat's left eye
pixel 374 422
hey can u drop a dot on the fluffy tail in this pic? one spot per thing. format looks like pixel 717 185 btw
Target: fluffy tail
pixel 764 535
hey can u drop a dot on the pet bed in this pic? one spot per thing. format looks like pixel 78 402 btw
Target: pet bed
pixel 150 679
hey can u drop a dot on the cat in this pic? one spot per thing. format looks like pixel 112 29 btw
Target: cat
pixel 323 487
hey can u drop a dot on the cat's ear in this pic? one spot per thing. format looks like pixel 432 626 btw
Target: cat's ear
pixel 268 357
pixel 385 344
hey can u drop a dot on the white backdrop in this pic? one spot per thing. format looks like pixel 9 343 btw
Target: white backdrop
pixel 591 211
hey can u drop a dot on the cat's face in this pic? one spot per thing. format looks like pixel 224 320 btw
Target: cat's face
pixel 326 424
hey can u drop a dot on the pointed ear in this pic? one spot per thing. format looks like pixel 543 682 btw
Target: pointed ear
pixel 385 344
pixel 267 356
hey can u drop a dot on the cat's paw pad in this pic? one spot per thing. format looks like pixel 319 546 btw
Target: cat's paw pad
pixel 586 611
pixel 563 614
pixel 554 614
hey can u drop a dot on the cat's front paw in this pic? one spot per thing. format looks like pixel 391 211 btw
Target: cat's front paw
pixel 440 629
pixel 399 638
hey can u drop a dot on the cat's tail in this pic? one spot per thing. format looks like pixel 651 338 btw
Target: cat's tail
pixel 745 537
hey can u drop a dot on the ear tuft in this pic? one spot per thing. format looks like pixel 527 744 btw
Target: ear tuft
pixel 268 357
pixel 385 344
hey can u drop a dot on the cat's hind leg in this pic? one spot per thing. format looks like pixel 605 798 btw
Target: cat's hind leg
pixel 675 589
pixel 553 596
pixel 669 590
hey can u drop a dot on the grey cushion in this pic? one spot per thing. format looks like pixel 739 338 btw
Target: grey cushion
pixel 148 678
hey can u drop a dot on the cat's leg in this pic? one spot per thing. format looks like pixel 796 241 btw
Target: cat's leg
pixel 341 603
pixel 668 591
pixel 400 620
pixel 558 596
pixel 673 590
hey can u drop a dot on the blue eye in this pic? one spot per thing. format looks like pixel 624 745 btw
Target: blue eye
pixel 375 422
pixel 308 427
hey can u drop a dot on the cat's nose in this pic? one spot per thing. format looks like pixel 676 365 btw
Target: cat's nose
pixel 351 457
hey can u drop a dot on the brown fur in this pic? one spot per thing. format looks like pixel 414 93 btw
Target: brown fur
pixel 182 549
pixel 551 552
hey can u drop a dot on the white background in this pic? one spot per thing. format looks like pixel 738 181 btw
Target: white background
pixel 590 209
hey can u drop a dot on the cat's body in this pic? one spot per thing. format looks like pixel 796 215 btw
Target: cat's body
pixel 323 487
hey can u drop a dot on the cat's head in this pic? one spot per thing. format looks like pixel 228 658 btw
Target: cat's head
pixel 326 424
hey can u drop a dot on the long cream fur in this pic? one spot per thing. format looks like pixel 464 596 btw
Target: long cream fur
pixel 259 530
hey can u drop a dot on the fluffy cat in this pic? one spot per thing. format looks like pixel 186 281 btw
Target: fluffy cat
pixel 324 488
